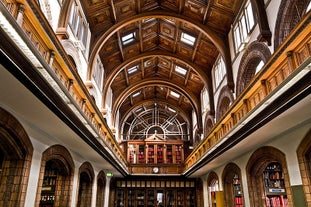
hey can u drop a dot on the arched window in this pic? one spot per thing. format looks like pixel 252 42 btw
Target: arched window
pixel 243 27
pixel 219 71
pixel 85 185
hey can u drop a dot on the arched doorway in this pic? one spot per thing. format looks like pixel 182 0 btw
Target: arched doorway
pixel 15 157
pixel 268 179
pixel 101 184
pixel 304 160
pixel 233 192
pixel 86 177
pixel 56 177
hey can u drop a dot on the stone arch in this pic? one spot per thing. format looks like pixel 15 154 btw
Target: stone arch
pixel 208 124
pixel 72 52
pixel 255 167
pixel 101 183
pixel 57 158
pixel 256 52
pixel 213 186
pixel 304 160
pixel 224 101
pixel 86 178
pixel 289 14
pixel 15 158
pixel 231 178
pixel 212 177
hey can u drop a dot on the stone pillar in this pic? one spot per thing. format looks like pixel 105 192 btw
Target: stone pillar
pixel 107 191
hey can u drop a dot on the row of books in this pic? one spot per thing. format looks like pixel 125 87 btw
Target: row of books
pixel 277 201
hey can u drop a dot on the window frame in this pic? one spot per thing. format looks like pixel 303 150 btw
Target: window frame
pixel 245 25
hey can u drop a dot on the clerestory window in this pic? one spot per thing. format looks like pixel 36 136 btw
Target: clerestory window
pixel 243 27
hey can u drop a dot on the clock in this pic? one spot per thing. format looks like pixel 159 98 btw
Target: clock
pixel 155 170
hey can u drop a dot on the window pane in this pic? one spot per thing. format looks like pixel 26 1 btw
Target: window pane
pixel 132 70
pixel 188 39
pixel 237 38
pixel 174 94
pixel 243 28
pixel 250 16
pixel 180 70
pixel 128 38
pixel 72 14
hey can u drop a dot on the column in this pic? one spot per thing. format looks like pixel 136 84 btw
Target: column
pixel 107 191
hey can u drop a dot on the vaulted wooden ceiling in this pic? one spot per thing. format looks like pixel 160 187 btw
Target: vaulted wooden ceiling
pixel 140 45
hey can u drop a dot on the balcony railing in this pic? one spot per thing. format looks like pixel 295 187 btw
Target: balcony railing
pixel 282 65
pixel 50 59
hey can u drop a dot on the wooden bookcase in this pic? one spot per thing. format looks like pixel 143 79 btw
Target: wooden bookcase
pixel 274 185
pixel 155 193
pixel 237 191
pixel 144 155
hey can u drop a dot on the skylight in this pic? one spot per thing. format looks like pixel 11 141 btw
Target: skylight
pixel 174 94
pixel 188 39
pixel 172 110
pixel 132 69
pixel 180 70
pixel 139 110
pixel 136 94
pixel 126 39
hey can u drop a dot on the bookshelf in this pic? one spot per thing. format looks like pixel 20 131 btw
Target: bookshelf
pixel 160 154
pixel 132 154
pixel 190 199
pixel 120 198
pixel 180 199
pixel 274 185
pixel 48 187
pixel 170 198
pixel 131 198
pixel 140 198
pixel 154 192
pixel 150 151
pixel 155 151
pixel 169 154
pixel 237 191
pixel 141 154
pixel 178 153
pixel 150 198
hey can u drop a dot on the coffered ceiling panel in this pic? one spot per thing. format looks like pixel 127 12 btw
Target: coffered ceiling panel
pixel 158 55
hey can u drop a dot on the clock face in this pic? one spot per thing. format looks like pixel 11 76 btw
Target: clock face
pixel 155 169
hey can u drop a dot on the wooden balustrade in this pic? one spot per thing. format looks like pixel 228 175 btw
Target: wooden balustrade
pixel 65 73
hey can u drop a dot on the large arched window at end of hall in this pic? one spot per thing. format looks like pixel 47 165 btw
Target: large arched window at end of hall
pixel 268 178
pixel 289 14
pixel 253 59
pixel 233 191
pixel 56 177
pixel 86 177
pixel 304 160
pixel 15 157
pixel 101 184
